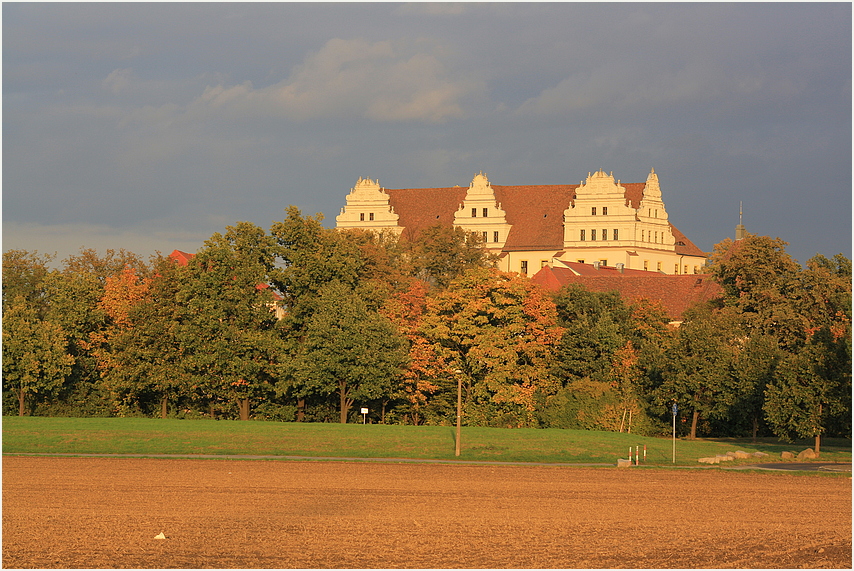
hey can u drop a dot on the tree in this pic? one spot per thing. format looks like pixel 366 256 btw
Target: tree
pixel 426 370
pixel 759 280
pixel 444 253
pixel 813 385
pixel 500 331
pixel 24 273
pixel 698 374
pixel 227 327
pixel 35 357
pixel 349 350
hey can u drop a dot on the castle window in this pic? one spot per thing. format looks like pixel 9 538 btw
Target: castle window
pixel 371 216
pixel 643 235
pixel 543 263
pixel 524 267
pixel 485 212
pixel 646 265
pixel 580 261
pixel 616 234
pixel 593 235
pixel 484 236
pixel 495 236
pixel 361 217
pixel 593 211
pixel 604 234
pixel 675 268
pixel 604 211
pixel 582 235
pixel 686 270
pixel 658 266
pixel 603 262
pixel 474 212
pixel 695 269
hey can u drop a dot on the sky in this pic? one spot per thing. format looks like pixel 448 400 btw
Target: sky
pixel 151 126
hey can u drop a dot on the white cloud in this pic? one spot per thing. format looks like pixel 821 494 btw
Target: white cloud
pixel 355 78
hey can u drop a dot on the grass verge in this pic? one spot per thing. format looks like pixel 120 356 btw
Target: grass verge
pixel 170 436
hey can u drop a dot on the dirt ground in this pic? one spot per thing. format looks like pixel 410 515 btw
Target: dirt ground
pixel 106 512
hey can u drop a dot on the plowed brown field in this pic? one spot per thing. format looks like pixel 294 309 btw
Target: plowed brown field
pixel 106 512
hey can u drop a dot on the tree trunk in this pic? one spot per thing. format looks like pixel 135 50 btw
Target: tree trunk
pixel 164 406
pixel 818 436
pixel 345 402
pixel 244 409
pixel 20 402
pixel 213 413
pixel 694 419
pixel 300 409
pixel 755 427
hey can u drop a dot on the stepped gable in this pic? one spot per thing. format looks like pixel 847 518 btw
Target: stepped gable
pixel 675 292
pixel 535 213
pixel 421 208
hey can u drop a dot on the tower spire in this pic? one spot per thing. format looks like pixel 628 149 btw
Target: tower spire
pixel 740 231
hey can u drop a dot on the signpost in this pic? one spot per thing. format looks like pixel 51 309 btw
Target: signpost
pixel 675 411
pixel 364 412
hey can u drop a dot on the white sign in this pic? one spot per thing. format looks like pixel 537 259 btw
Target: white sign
pixel 364 411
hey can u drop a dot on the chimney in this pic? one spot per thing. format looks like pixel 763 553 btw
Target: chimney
pixel 596 265
pixel 620 267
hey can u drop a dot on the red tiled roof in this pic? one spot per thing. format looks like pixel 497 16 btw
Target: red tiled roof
pixel 421 208
pixel 675 292
pixel 536 215
pixel 183 258
pixel 535 212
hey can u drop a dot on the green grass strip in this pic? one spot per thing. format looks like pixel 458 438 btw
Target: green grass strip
pixel 171 436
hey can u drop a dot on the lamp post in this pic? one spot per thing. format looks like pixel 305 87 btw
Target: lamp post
pixel 459 408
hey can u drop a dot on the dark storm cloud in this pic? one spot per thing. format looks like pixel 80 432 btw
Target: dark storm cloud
pixel 151 126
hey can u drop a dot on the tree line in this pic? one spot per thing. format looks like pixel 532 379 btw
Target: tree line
pixel 370 320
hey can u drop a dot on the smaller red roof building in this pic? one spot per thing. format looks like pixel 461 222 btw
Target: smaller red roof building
pixel 676 293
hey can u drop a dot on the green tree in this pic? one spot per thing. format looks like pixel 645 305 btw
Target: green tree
pixel 444 253
pixel 35 357
pixel 699 373
pixel 349 350
pixel 227 327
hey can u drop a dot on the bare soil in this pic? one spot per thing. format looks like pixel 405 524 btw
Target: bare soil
pixel 106 512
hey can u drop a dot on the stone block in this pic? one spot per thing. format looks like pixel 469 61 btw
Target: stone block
pixel 808 454
pixel 725 458
pixel 623 463
pixel 759 454
pixel 787 455
pixel 741 454
pixel 710 460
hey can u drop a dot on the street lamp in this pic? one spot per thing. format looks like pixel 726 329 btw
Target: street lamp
pixel 459 374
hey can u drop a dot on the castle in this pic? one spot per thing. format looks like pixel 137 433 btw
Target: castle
pixel 600 222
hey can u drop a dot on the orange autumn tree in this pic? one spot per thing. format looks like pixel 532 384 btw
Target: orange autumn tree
pixel 500 331
pixel 122 292
pixel 426 369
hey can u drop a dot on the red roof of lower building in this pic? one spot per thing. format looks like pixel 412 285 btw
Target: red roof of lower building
pixel 675 292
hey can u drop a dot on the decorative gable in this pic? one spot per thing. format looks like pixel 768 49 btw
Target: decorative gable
pixel 368 207
pixel 480 212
